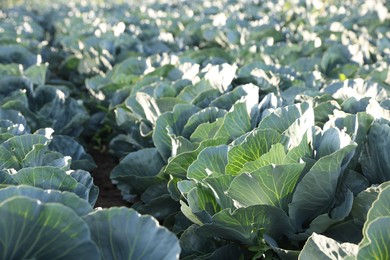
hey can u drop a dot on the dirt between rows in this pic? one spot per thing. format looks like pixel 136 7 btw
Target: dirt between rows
pixel 109 195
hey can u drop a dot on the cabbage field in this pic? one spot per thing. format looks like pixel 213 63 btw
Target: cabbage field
pixel 232 129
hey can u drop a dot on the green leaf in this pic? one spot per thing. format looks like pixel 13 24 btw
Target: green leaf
pixel 8 160
pixel 356 126
pixel 235 123
pixel 189 93
pixel 37 74
pixel 48 177
pixel 185 186
pixel 379 209
pixel 192 243
pixel 284 254
pixel 149 106
pixel 323 110
pixel 130 66
pixel 202 203
pixel 257 143
pixel 270 185
pixel 122 233
pixel 180 144
pixel 206 131
pixel 221 76
pixel 276 155
pixel 282 118
pixel 322 247
pixel 35 157
pixel 345 231
pixel 166 104
pixel 377 111
pixel 6 178
pixel 18 147
pixel 376 240
pixel 331 141
pixel 17 53
pixel 31 229
pixel 246 225
pixel 292 121
pixel 315 193
pixel 171 123
pixel 12 69
pixel 178 165
pixel 160 207
pixel 187 211
pixel 208 115
pixel 210 161
pixel 374 159
pixel 69 147
pixel 228 99
pixel 319 224
pixel 79 206
pixel 219 186
pixel 303 150
pixel 84 178
pixel 363 202
pixel 204 99
pixel 139 169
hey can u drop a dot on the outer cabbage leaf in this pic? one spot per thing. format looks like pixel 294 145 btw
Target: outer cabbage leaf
pixel 139 170
pixel 236 122
pixel 357 126
pixel 246 225
pixel 207 115
pixel 363 202
pixel 122 233
pixel 37 74
pixel 171 123
pixel 16 53
pixel 32 229
pixel 322 247
pixel 228 99
pixel 376 230
pixel 178 165
pixel 69 147
pixel 270 185
pixel 79 206
pixel 85 178
pixel 54 108
pixel 210 161
pixel 276 155
pixel 292 121
pixel 219 186
pixel 374 159
pixel 255 144
pixel 315 193
pixel 23 151
pixel 48 177
pixel 378 235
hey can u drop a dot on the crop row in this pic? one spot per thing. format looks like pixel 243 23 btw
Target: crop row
pixel 243 129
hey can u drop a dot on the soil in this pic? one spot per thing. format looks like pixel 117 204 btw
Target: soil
pixel 109 195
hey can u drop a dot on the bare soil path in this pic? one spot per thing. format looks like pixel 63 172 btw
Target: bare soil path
pixel 109 195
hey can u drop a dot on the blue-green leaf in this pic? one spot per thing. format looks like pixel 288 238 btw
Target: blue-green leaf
pixel 122 233
pixel 31 229
pixel 246 225
pixel 79 206
pixel 171 123
pixel 374 159
pixel 322 247
pixel 315 193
